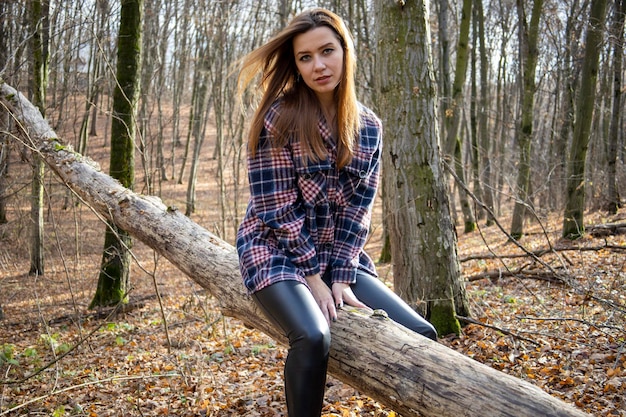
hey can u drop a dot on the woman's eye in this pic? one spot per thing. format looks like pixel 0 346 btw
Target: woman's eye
pixel 328 51
pixel 305 57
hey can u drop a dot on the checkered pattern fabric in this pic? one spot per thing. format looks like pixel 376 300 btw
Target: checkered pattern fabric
pixel 304 217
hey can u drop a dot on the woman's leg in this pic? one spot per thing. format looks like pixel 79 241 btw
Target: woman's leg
pixel 375 294
pixel 291 306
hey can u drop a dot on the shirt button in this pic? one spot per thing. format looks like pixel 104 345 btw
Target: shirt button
pixel 362 174
pixel 306 176
pixel 328 245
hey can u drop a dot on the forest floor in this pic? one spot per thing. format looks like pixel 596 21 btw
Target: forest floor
pixel 556 319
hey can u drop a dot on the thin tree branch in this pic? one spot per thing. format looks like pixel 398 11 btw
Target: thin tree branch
pixel 500 329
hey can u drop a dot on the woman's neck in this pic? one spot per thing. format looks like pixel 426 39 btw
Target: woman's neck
pixel 330 114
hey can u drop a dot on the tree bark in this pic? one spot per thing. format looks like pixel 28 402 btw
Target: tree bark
pixel 405 371
pixel 528 39
pixel 40 28
pixel 573 217
pixel 417 213
pixel 485 141
pixel 568 70
pixel 5 125
pixel 114 278
pixel 5 150
pixel 454 139
pixel 614 202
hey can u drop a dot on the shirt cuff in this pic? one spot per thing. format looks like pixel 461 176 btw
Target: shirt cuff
pixel 310 266
pixel 344 275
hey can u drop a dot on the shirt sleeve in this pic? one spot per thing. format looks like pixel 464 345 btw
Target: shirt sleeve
pixel 352 221
pixel 274 193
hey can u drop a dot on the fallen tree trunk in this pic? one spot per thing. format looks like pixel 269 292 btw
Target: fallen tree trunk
pixel 607 229
pixel 407 372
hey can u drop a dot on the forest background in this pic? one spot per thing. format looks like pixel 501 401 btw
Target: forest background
pixel 173 352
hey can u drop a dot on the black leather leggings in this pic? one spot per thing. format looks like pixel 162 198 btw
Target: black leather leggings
pixel 291 306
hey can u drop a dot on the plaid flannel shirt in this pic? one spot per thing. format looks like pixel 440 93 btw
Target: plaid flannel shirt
pixel 303 218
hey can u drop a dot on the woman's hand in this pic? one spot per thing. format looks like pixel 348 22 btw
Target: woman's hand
pixel 323 296
pixel 343 293
pixel 330 300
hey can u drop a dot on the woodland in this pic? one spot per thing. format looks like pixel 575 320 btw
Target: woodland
pixel 520 122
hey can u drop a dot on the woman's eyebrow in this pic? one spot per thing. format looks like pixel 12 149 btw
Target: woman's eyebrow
pixel 326 45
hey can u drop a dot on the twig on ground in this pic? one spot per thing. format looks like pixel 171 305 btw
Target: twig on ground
pixel 518 273
pixel 500 329
pixel 542 252
pixel 588 323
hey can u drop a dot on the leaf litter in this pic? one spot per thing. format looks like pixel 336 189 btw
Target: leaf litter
pixel 556 321
pixel 569 341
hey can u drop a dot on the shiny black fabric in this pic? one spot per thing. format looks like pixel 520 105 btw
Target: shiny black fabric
pixel 375 294
pixel 291 306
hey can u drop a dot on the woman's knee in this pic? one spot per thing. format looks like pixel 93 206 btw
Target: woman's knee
pixel 430 332
pixel 314 340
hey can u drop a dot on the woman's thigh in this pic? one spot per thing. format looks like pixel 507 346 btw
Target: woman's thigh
pixel 291 306
pixel 376 295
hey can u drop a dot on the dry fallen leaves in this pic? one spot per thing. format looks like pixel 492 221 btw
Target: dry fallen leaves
pixel 568 339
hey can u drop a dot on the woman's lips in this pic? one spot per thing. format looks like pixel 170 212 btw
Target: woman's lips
pixel 322 80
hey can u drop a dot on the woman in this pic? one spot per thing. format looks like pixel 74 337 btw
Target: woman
pixel 313 166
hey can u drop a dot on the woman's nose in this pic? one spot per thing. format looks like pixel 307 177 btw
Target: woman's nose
pixel 319 63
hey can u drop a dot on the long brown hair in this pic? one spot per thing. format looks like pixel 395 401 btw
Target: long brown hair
pixel 301 109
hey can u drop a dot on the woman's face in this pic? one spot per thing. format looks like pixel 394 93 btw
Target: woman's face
pixel 319 58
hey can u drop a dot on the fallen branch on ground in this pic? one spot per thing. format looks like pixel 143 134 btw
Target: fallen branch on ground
pixel 542 252
pixel 407 372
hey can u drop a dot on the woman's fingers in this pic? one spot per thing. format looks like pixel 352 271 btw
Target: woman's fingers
pixel 323 297
pixel 342 293
pixel 350 298
pixel 332 311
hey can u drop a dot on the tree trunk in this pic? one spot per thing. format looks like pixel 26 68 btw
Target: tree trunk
pixel 115 268
pixel 5 150
pixel 573 218
pixel 569 68
pixel 405 371
pixel 528 38
pixel 180 54
pixel 444 58
pixel 473 122
pixel 454 143
pixel 40 24
pixel 5 121
pixel 614 202
pixel 422 235
pixel 196 124
pixel 36 218
pixel 484 142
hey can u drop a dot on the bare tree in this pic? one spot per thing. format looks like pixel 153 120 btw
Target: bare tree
pixel 5 149
pixel 485 142
pixel 528 46
pixel 114 275
pixel 422 236
pixel 197 119
pixel 182 35
pixel 614 202
pixel 453 114
pixel 566 91
pixel 573 217
pixel 40 38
